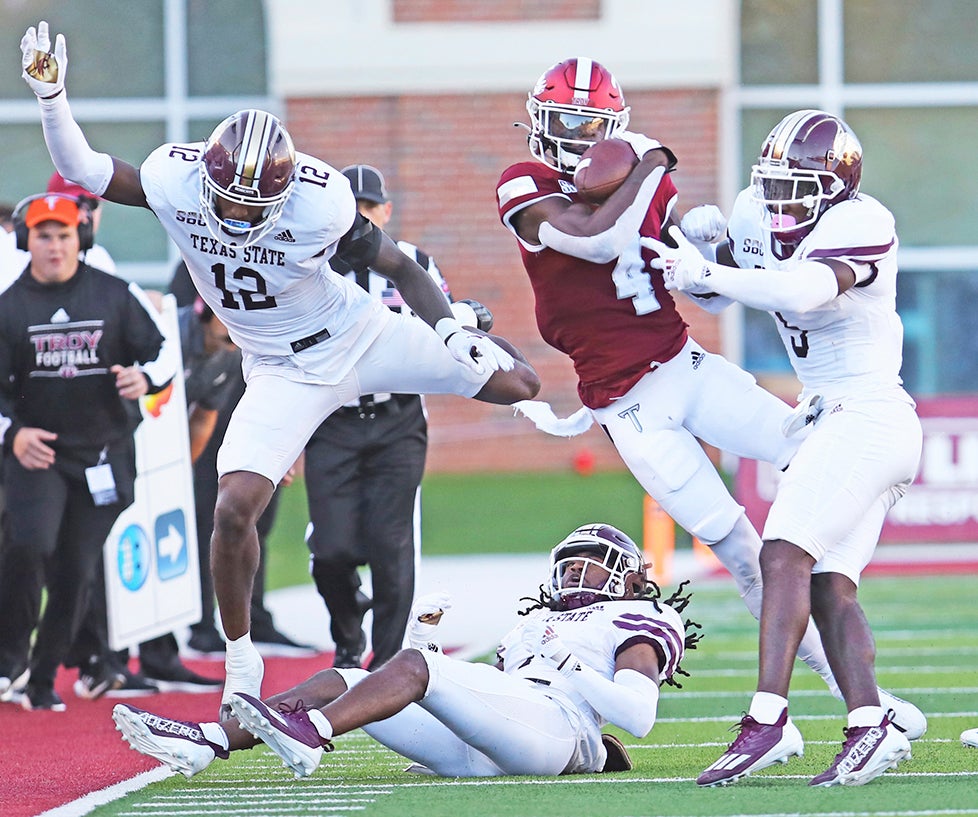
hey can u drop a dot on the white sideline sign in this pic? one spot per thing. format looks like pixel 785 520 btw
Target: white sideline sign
pixel 152 574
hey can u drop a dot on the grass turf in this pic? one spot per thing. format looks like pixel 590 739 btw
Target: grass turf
pixel 480 513
pixel 927 646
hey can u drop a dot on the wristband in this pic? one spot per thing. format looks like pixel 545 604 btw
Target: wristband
pixel 446 327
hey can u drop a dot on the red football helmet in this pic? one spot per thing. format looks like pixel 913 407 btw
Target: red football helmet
pixel 574 104
pixel 248 159
pixel 811 158
pixel 606 547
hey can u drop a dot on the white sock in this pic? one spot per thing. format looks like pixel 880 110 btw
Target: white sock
pixel 766 707
pixel 323 726
pixel 866 716
pixel 215 733
pixel 240 652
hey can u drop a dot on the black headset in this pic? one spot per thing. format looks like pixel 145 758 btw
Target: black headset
pixel 86 228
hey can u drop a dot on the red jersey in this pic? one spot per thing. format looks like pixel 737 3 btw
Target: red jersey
pixel 613 320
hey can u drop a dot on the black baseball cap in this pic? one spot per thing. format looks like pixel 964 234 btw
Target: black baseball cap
pixel 367 183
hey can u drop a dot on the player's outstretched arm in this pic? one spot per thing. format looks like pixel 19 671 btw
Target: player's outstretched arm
pixel 45 70
pixel 511 380
pixel 597 234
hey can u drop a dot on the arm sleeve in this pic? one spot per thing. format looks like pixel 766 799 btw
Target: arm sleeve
pixel 359 247
pixel 712 303
pixel 69 149
pixel 607 245
pixel 804 287
pixel 630 701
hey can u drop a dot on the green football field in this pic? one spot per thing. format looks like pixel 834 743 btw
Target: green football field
pixel 928 651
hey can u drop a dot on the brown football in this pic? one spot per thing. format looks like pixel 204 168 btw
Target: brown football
pixel 602 169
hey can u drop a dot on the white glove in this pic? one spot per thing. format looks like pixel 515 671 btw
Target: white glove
pixel 640 143
pixel 426 613
pixel 683 267
pixel 704 223
pixel 804 415
pixel 477 352
pixel 44 72
pixel 540 638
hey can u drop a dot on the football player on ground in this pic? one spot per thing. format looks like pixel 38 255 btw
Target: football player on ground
pixel 256 223
pixel 804 244
pixel 599 643
pixel 652 388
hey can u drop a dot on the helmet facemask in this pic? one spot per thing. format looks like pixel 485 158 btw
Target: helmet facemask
pixel 248 160
pixel 621 565
pixel 561 133
pixel 777 188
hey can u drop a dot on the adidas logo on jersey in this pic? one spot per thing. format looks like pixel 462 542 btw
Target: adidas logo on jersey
pixel 285 235
pixel 698 358
pixel 60 316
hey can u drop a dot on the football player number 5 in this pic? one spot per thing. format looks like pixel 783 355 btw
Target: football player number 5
pixel 632 279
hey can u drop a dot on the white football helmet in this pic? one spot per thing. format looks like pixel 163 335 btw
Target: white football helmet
pixel 248 159
pixel 601 545
pixel 811 158
pixel 574 104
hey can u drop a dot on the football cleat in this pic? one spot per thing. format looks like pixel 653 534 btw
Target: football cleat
pixel 969 737
pixel 288 732
pixel 758 746
pixel 903 715
pixel 181 745
pixel 867 752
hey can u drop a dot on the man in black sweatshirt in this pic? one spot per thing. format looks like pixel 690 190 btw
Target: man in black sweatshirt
pixel 75 345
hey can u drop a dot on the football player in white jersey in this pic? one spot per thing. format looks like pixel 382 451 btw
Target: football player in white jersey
pixel 256 223
pixel 805 245
pixel 595 649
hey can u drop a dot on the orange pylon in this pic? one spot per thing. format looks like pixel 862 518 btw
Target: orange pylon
pixel 659 540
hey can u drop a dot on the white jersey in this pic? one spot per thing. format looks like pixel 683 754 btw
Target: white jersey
pixel 853 343
pixel 281 302
pixel 595 635
pixel 100 258
pixel 12 260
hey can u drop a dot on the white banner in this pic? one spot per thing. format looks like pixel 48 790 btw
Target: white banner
pixel 152 575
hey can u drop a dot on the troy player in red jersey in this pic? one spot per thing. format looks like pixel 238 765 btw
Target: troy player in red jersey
pixel 654 390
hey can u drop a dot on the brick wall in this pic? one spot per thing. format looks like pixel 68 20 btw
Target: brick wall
pixel 442 156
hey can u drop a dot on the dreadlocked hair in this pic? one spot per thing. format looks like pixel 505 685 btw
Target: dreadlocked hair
pixel 678 601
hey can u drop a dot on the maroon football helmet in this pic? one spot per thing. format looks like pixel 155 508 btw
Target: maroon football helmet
pixel 574 104
pixel 248 159
pixel 608 548
pixel 811 158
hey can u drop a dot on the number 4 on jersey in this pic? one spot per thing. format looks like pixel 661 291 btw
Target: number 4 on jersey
pixel 632 279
